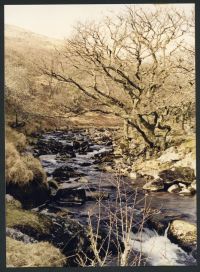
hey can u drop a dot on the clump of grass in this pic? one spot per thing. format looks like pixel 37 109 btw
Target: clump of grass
pixel 16 138
pixel 22 169
pixel 42 254
pixel 16 169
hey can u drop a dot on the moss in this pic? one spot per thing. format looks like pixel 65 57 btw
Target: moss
pixel 42 254
pixel 36 225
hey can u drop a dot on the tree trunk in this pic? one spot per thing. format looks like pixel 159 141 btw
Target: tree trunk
pixel 148 132
pixel 16 119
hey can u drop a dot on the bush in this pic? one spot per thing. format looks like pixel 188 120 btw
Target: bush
pixel 42 254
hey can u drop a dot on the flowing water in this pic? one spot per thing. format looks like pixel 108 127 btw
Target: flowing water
pixel 158 249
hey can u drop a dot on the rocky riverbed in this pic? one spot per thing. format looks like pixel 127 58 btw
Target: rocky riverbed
pixel 75 163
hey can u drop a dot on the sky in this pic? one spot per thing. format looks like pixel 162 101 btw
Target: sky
pixel 57 21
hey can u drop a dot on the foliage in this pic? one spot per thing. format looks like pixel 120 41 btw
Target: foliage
pixel 132 66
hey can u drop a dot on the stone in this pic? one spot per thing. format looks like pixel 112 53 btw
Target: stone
pixel 194 185
pixel 83 180
pixel 174 188
pixel 186 192
pixel 133 175
pixel 64 173
pixel 160 221
pixel 182 185
pixel 9 198
pixel 183 233
pixel 154 186
pixel 178 174
pixel 170 155
pixel 97 195
pixel 30 194
pixel 70 195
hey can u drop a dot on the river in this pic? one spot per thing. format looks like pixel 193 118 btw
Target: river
pixel 87 175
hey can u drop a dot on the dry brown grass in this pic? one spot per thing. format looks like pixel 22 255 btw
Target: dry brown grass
pixel 42 254
pixel 22 169
pixel 18 139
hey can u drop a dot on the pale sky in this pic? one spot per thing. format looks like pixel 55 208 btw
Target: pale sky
pixel 57 20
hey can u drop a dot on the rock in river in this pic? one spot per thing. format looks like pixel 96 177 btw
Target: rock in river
pixel 183 233
pixel 64 173
pixel 175 188
pixel 69 195
pixel 178 174
pixel 155 185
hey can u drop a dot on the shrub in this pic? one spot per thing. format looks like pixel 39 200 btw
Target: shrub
pixel 42 254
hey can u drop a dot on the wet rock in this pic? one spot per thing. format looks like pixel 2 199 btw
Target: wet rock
pixel 68 149
pixel 19 236
pixel 160 221
pixel 70 236
pixel 49 147
pixel 154 186
pixel 183 233
pixel 178 174
pixel 187 191
pixel 64 173
pixel 30 194
pixel 174 189
pixel 70 195
pixel 85 164
pixel 76 145
pixel 94 196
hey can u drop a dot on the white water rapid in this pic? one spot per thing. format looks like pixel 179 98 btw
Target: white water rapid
pixel 159 250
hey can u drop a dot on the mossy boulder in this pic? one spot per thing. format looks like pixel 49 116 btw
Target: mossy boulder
pixel 31 223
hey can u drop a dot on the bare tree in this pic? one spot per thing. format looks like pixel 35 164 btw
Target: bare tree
pixel 131 66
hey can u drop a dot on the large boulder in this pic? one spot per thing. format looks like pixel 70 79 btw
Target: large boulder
pixel 69 195
pixel 183 233
pixel 160 221
pixel 178 174
pixel 30 194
